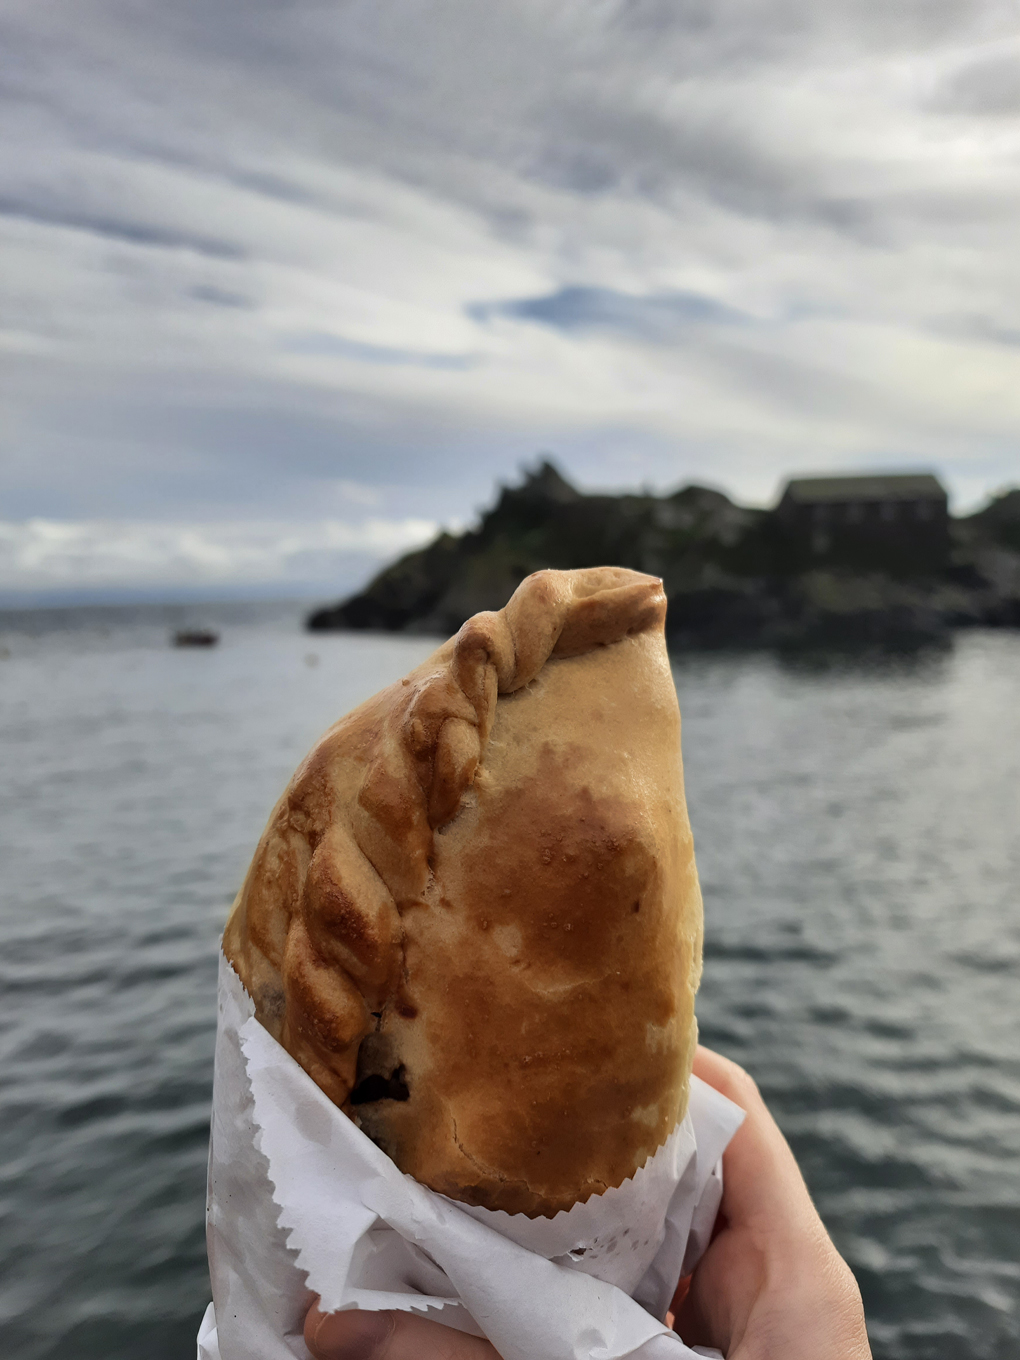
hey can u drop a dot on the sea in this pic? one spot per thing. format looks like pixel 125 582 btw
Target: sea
pixel 857 827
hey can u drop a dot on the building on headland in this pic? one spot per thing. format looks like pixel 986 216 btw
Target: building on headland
pixel 896 523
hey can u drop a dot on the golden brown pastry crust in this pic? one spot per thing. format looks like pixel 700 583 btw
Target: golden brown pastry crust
pixel 478 895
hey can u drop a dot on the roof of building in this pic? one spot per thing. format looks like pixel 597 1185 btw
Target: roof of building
pixel 904 487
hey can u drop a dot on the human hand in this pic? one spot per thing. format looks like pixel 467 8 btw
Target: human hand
pixel 771 1285
pixel 388 1336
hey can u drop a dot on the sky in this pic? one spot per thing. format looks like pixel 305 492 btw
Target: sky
pixel 286 286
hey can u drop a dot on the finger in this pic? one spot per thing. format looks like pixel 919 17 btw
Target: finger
pixel 762 1183
pixel 359 1335
pixel 728 1077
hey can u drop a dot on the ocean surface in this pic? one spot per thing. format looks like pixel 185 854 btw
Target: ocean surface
pixel 858 835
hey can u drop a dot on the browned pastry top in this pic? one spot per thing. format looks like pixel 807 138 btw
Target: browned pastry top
pixel 474 917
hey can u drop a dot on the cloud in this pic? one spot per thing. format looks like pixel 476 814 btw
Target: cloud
pixel 134 233
pixel 984 84
pixel 318 343
pixel 219 297
pixel 46 555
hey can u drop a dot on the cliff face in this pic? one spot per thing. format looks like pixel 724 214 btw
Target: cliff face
pixel 732 574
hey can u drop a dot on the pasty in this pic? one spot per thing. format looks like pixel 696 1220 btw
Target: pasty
pixel 474 917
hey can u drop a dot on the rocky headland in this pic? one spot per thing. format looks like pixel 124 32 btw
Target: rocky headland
pixel 735 576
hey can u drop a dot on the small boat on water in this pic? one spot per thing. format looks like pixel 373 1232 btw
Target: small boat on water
pixel 195 637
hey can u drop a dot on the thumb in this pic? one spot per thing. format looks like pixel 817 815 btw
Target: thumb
pixel 359 1335
pixel 762 1183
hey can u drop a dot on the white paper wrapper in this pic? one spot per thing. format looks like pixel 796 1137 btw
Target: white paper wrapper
pixel 302 1203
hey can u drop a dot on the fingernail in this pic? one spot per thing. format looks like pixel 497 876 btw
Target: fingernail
pixel 353 1335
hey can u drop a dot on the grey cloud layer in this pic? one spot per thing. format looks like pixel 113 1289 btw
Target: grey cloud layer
pixel 255 253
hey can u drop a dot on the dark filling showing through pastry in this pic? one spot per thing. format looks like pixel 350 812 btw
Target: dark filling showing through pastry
pixel 377 1087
